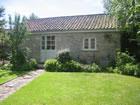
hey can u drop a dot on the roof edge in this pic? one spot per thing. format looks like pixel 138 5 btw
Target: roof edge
pixel 75 31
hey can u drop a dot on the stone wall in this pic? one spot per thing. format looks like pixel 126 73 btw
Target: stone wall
pixel 107 43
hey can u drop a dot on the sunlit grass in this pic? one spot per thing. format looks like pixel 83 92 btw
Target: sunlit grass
pixel 78 89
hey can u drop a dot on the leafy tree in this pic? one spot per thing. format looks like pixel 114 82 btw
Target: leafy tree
pixel 127 12
pixel 33 16
pixel 3 41
pixel 17 35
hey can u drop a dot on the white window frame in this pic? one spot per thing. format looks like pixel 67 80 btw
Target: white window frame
pixel 46 42
pixel 89 44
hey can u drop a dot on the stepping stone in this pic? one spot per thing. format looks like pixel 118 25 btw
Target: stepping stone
pixel 4 92
pixel 11 85
pixel 27 77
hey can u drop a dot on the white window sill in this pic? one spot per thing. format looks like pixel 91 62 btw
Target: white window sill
pixel 89 49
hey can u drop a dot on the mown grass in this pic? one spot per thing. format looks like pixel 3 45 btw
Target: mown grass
pixel 78 89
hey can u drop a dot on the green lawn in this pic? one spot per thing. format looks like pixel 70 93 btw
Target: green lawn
pixel 6 75
pixel 78 89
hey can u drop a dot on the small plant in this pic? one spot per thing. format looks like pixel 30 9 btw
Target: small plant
pixel 64 56
pixel 71 66
pixel 6 66
pixel 52 65
pixel 33 63
pixel 109 69
pixel 92 68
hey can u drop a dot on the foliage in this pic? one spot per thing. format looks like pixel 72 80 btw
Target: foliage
pixel 137 71
pixel 3 37
pixel 7 66
pixel 33 63
pixel 125 64
pixel 123 58
pixel 109 69
pixel 64 56
pixel 129 69
pixel 17 34
pixel 2 21
pixel 92 68
pixel 71 66
pixel 33 16
pixel 127 13
pixel 52 65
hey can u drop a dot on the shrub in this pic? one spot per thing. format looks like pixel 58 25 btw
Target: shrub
pixel 123 58
pixel 24 67
pixel 33 64
pixel 109 69
pixel 71 66
pixel 92 68
pixel 52 65
pixel 6 66
pixel 64 56
pixel 137 72
pixel 129 69
pixel 116 70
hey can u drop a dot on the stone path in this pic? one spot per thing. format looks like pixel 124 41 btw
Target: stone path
pixel 15 84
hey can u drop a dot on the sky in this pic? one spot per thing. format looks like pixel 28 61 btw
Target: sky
pixel 52 8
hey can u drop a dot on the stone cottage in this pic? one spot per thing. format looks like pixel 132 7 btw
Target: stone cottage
pixel 90 38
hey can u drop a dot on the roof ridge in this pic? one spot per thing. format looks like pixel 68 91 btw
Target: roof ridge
pixel 68 16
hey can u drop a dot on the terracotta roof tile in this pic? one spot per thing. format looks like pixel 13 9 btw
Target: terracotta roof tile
pixel 81 22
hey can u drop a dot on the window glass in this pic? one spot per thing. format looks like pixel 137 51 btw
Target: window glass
pixel 92 43
pixel 43 42
pixel 86 44
pixel 50 42
pixel 89 43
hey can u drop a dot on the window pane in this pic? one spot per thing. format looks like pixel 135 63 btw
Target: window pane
pixel 92 43
pixel 53 47
pixel 51 42
pixel 48 47
pixel 48 37
pixel 53 38
pixel 43 43
pixel 86 44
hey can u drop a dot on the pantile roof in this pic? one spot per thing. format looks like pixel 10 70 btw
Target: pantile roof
pixel 66 23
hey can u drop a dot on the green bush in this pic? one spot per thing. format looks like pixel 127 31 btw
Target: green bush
pixel 123 58
pixel 129 69
pixel 64 56
pixel 125 64
pixel 25 67
pixel 92 68
pixel 33 64
pixel 109 69
pixel 71 66
pixel 116 70
pixel 6 66
pixel 52 65
pixel 137 72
